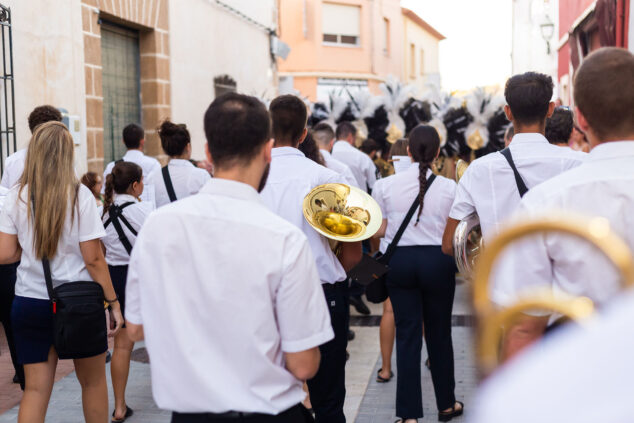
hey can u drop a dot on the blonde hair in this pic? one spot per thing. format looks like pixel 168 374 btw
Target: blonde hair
pixel 49 175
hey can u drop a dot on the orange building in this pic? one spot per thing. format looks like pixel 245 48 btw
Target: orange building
pixel 339 44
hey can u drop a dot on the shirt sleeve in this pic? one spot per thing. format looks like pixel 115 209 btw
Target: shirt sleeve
pixel 5 176
pixel 463 204
pixel 90 224
pixel 370 173
pixel 301 310
pixel 7 223
pixel 132 287
pixel 106 173
pixel 377 194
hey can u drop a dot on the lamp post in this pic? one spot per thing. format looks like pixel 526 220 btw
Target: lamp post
pixel 548 30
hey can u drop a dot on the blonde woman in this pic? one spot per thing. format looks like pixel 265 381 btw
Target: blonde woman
pixel 65 227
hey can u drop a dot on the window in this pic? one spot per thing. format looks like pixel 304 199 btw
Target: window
pixel 422 61
pixel 412 61
pixel 386 36
pixel 224 84
pixel 341 24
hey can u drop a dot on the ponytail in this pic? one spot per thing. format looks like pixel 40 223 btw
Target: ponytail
pixel 123 175
pixel 424 143
pixel 109 194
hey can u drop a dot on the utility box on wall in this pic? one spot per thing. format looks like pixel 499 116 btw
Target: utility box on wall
pixel 73 124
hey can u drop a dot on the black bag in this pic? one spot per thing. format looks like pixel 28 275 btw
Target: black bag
pixel 371 271
pixel 79 318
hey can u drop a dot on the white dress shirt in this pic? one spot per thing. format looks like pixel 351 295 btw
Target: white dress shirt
pixel 3 196
pixel 223 288
pixel 135 214
pixel 147 163
pixel 488 186
pixel 360 164
pixel 395 195
pixel 186 178
pixel 68 265
pixel 291 178
pixel 602 186
pixel 340 167
pixel 581 375
pixel 13 168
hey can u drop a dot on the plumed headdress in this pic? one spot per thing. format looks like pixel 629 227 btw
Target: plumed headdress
pixel 395 95
pixel 482 106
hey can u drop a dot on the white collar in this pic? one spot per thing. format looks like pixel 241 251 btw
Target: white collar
pixel 528 138
pixel 343 144
pixel 133 153
pixel 124 198
pixel 180 162
pixel 286 151
pixel 325 153
pixel 413 168
pixel 230 188
pixel 612 150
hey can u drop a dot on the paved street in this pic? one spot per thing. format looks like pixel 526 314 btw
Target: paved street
pixel 366 402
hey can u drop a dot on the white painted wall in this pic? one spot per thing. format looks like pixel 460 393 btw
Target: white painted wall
pixel 529 46
pixel 48 56
pixel 206 40
pixel 416 35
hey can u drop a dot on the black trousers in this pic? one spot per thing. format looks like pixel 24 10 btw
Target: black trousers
pixel 328 387
pixel 297 414
pixel 7 293
pixel 421 284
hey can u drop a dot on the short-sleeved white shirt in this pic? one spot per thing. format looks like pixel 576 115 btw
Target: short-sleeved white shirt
pixel 291 178
pixel 135 214
pixel 13 168
pixel 223 287
pixel 340 167
pixel 68 265
pixel 147 163
pixel 395 195
pixel 488 186
pixel 361 165
pixel 186 178
pixel 601 187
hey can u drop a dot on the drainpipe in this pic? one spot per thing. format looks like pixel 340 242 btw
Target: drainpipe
pixel 620 12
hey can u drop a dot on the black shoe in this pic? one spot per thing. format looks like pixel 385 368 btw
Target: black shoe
pixel 359 305
pixel 108 356
pixel 351 335
pixel 15 378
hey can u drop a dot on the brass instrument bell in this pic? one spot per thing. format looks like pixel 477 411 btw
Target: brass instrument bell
pixel 467 239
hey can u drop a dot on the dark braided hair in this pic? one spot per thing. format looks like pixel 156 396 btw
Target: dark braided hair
pixel 424 143
pixel 119 180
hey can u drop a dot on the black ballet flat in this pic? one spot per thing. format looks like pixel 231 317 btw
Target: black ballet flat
pixel 445 416
pixel 128 413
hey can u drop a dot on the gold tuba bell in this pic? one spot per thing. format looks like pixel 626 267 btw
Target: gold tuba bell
pixel 467 239
pixel 342 213
pixel 492 320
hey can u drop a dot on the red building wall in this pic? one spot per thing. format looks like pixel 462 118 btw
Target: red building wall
pixel 569 11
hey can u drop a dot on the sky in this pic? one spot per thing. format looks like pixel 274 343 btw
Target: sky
pixel 477 51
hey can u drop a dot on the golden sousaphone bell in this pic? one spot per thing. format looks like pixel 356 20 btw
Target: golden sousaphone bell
pixel 492 320
pixel 467 239
pixel 342 213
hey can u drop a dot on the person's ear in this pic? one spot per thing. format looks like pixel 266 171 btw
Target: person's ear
pixel 551 109
pixel 303 137
pixel 142 143
pixel 208 154
pixel 266 151
pixel 508 113
pixel 331 144
pixel 581 120
pixel 409 153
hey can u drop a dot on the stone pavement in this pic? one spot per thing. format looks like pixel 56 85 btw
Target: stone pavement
pixel 366 400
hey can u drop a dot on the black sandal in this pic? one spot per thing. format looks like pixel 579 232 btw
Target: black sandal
pixel 445 416
pixel 128 413
pixel 381 379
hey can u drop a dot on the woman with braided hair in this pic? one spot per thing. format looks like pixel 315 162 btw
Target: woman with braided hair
pixel 421 281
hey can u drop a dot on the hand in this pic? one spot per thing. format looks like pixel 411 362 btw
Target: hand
pixel 116 319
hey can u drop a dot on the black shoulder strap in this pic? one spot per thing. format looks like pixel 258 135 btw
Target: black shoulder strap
pixel 115 213
pixel 408 218
pixel 168 184
pixel 521 186
pixel 46 266
pixel 121 217
pixel 118 161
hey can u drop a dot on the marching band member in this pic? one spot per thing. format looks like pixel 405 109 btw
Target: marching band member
pixel 421 281
pixel 231 256
pixel 123 215
pixel 292 177
pixel 361 165
pixel 602 186
pixel 134 140
pixel 179 179
pixel 324 136
pixel 493 185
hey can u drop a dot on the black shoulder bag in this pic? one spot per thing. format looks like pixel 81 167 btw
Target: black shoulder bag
pixel 521 186
pixel 168 184
pixel 116 215
pixel 371 271
pixel 79 318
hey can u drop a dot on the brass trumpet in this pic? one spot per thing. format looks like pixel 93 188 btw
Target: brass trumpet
pixel 492 320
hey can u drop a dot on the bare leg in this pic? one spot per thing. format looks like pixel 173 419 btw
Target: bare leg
pixel 119 369
pixel 387 332
pixel 307 403
pixel 40 378
pixel 91 373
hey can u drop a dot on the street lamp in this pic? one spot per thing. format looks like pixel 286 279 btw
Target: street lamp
pixel 548 30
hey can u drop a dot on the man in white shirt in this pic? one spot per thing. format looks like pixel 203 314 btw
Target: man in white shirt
pixel 602 187
pixel 14 164
pixel 292 177
pixel 134 140
pixel 360 164
pixel 324 136
pixel 490 187
pixel 230 303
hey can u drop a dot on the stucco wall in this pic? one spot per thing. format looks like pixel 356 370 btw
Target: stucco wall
pixel 48 60
pixel 206 41
pixel 422 39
